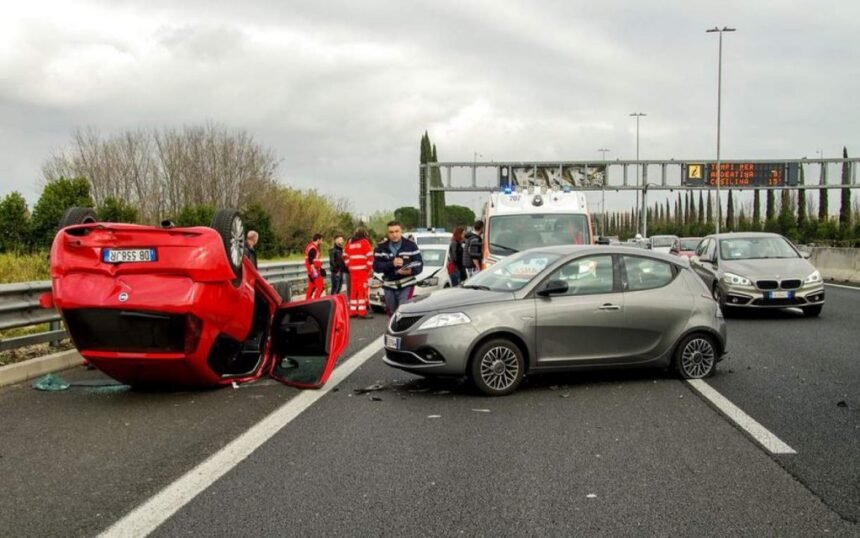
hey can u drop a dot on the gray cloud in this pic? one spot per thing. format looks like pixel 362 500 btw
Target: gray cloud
pixel 342 91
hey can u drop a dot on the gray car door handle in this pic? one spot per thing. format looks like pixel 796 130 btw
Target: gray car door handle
pixel 608 306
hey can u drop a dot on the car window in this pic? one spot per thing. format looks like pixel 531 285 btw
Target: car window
pixel 432 240
pixel 433 256
pixel 646 273
pixel 586 276
pixel 711 247
pixel 702 248
pixel 689 244
pixel 753 248
pixel 513 272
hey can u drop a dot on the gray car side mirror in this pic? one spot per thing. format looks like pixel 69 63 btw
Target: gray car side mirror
pixel 554 287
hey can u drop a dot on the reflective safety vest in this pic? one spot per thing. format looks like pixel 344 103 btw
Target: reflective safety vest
pixel 358 256
pixel 313 263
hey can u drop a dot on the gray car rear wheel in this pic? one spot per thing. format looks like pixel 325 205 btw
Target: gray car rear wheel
pixel 497 367
pixel 696 357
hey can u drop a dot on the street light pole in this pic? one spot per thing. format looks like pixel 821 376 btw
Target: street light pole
pixel 604 151
pixel 475 169
pixel 719 112
pixel 637 115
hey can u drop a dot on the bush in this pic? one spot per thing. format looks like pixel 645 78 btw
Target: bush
pixel 57 197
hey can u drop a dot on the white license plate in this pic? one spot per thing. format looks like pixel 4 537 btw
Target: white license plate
pixel 128 255
pixel 780 295
pixel 392 342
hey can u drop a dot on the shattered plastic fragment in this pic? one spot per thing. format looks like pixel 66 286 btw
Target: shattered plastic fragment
pixel 591 496
pixel 565 395
pixel 235 385
pixel 841 403
pixel 51 383
pixel 481 410
pixel 375 399
pixel 379 385
pixel 434 416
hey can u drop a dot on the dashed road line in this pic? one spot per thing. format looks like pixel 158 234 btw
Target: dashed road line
pixel 758 432
pixel 855 288
pixel 148 516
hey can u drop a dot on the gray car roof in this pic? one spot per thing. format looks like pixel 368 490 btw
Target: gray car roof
pixel 566 250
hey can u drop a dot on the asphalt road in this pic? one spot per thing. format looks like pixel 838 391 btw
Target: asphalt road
pixel 632 453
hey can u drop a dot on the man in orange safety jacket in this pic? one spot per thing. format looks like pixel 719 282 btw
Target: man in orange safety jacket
pixel 358 256
pixel 314 268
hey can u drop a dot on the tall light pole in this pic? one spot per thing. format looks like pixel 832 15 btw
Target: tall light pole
pixel 637 115
pixel 719 111
pixel 604 151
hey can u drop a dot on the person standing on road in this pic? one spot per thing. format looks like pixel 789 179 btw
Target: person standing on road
pixel 314 268
pixel 456 269
pixel 358 255
pixel 398 259
pixel 473 249
pixel 250 242
pixel 336 265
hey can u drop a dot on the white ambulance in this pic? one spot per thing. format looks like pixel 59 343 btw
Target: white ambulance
pixel 516 220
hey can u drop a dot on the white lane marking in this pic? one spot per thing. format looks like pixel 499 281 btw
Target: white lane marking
pixel 148 516
pixel 855 288
pixel 761 434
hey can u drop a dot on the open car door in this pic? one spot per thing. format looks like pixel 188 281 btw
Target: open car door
pixel 307 340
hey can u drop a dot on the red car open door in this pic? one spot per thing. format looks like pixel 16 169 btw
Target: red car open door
pixel 307 340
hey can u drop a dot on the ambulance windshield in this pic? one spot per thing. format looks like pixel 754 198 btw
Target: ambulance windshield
pixel 513 233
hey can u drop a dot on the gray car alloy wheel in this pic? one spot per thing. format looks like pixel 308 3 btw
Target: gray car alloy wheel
pixel 697 358
pixel 237 241
pixel 500 368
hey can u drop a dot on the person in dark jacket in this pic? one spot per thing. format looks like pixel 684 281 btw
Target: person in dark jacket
pixel 456 269
pixel 250 242
pixel 336 264
pixel 473 248
pixel 399 260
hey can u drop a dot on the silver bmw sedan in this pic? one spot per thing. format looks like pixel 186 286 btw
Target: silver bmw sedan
pixel 562 308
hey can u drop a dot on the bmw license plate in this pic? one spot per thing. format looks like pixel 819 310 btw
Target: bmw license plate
pixel 780 295
pixel 128 255
pixel 392 342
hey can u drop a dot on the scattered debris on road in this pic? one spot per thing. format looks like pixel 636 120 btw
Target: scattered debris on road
pixel 481 410
pixel 841 403
pixel 379 385
pixel 51 383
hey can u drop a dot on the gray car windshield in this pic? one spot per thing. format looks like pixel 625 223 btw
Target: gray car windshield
pixel 433 256
pixel 513 233
pixel 512 273
pixel 756 248
pixel 690 244
pixel 662 241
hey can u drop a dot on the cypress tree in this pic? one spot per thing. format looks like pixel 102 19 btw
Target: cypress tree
pixel 730 213
pixel 701 208
pixel 686 209
pixel 710 209
pixel 823 202
pixel 770 207
pixel 756 223
pixel 845 203
pixel 438 198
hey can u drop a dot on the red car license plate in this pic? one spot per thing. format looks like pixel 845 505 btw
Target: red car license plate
pixel 128 255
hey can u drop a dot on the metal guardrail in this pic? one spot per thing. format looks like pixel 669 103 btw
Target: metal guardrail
pixel 19 304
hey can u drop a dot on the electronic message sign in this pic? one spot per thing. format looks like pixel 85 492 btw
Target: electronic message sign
pixel 740 174
pixel 553 176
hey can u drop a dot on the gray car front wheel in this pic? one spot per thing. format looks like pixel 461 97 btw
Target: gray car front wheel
pixel 696 357
pixel 497 367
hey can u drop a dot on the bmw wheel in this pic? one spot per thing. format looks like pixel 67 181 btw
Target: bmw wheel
pixel 228 224
pixel 497 367
pixel 696 357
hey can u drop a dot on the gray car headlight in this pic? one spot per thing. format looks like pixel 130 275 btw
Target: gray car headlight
pixel 445 320
pixel 736 280
pixel 814 278
pixel 432 281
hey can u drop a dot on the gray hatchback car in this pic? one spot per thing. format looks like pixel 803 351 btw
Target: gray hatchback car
pixel 758 270
pixel 561 308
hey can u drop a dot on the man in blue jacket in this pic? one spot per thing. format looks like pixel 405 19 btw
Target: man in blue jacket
pixel 399 261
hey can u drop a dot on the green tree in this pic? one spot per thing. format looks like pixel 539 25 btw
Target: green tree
pixel 756 216
pixel 701 213
pixel 57 196
pixel 730 213
pixel 823 203
pixel 710 210
pixel 458 215
pixel 770 206
pixel 845 203
pixel 438 197
pixel 113 210
pixel 14 223
pixel 408 216
pixel 195 215
pixel 256 218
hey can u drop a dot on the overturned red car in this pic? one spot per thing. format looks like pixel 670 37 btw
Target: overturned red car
pixel 177 306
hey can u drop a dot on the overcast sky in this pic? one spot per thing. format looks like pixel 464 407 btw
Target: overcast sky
pixel 342 91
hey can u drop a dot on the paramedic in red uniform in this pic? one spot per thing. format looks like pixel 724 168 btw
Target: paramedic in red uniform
pixel 358 255
pixel 313 265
